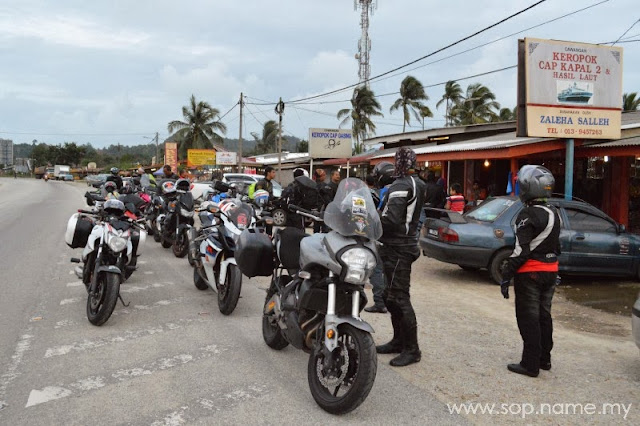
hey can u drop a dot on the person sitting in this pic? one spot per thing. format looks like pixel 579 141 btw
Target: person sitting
pixel 455 200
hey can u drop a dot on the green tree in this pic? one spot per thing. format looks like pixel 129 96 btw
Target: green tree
pixel 40 154
pixel 303 146
pixel 268 141
pixel 364 105
pixel 452 96
pixel 476 107
pixel 198 130
pixel 506 114
pixel 630 101
pixel 411 96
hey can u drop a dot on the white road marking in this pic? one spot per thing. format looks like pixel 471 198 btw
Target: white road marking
pixel 148 272
pixel 65 323
pixel 24 344
pixel 70 301
pixel 50 393
pixel 75 284
pixel 137 288
pixel 72 272
pixel 128 335
pixel 159 303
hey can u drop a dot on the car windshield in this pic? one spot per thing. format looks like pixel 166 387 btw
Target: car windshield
pixel 490 209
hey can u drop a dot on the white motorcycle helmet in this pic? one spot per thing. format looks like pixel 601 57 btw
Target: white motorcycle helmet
pixel 261 198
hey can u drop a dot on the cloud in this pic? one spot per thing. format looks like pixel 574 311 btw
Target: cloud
pixel 68 30
pixel 331 69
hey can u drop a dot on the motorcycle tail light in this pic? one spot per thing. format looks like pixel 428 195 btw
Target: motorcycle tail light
pixel 210 250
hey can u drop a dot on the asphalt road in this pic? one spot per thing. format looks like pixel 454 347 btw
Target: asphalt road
pixel 168 358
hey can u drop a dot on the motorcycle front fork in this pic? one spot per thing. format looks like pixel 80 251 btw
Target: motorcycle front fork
pixel 330 320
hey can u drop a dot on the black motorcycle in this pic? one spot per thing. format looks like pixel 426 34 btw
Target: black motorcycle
pixel 179 218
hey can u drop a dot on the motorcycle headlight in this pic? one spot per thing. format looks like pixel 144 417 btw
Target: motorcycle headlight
pixel 186 213
pixel 360 263
pixel 116 243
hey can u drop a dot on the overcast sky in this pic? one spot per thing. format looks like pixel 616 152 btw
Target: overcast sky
pixel 116 71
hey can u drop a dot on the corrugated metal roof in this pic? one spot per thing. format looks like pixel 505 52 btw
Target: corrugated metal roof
pixel 504 140
pixel 630 141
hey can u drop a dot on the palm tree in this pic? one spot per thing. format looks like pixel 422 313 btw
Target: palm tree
pixel 506 114
pixel 267 142
pixel 363 106
pixel 198 130
pixel 452 96
pixel 630 101
pixel 411 96
pixel 476 107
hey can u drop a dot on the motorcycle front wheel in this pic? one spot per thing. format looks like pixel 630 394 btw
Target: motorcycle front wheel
pixel 181 244
pixel 198 280
pixel 271 332
pixel 101 305
pixel 340 386
pixel 229 292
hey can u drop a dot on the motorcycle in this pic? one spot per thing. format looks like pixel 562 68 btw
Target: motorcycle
pixel 317 293
pixel 215 264
pixel 179 218
pixel 111 241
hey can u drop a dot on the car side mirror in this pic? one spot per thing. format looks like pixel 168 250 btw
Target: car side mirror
pixel 622 228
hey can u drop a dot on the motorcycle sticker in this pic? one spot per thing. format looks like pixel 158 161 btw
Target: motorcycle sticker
pixel 358 206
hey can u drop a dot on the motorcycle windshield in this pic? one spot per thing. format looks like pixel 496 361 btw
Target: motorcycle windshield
pixel 241 216
pixel 352 211
pixel 186 201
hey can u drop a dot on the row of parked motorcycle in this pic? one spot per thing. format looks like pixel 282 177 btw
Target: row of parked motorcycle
pixel 316 293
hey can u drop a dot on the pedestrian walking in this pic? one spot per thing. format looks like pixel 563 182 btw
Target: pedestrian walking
pixel 399 249
pixel 533 266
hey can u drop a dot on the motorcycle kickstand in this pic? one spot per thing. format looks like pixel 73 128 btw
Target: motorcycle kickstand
pixel 126 305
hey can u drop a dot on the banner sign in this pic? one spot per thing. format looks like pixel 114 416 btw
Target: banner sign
pixel 225 158
pixel 171 155
pixel 573 90
pixel 330 143
pixel 201 157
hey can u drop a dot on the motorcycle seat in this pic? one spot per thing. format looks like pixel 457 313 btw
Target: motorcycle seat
pixel 287 242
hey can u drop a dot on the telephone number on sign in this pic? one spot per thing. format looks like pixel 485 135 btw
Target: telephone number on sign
pixel 591 132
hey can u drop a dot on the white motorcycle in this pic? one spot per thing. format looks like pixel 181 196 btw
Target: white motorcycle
pixel 111 244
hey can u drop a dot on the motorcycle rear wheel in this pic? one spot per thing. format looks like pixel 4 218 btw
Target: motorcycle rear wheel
pixel 271 332
pixel 101 306
pixel 229 292
pixel 180 246
pixel 356 369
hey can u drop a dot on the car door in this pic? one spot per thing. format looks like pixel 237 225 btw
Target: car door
pixel 596 245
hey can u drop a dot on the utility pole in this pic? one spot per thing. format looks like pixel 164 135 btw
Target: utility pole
pixel 240 138
pixel 280 111
pixel 157 149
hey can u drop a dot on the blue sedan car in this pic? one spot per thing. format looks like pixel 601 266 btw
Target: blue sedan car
pixel 591 242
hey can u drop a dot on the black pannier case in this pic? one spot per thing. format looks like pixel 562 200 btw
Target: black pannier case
pixel 254 254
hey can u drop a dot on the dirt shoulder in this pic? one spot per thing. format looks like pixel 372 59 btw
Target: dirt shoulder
pixel 468 334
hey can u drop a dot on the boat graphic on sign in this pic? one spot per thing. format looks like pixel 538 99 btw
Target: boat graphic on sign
pixel 575 94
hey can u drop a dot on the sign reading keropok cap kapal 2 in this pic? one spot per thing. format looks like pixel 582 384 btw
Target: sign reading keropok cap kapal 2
pixel 330 143
pixel 573 90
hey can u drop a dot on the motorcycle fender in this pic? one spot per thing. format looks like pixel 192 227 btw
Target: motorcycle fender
pixel 223 268
pixel 184 226
pixel 96 234
pixel 109 268
pixel 333 321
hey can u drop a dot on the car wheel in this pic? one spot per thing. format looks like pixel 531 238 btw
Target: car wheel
pixel 498 263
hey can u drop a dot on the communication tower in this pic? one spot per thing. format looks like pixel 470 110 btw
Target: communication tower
pixel 364 45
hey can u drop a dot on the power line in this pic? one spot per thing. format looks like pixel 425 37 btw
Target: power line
pixel 230 109
pixel 77 134
pixel 629 29
pixel 423 57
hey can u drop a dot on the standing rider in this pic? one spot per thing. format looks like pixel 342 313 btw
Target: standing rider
pixel 265 183
pixel 534 268
pixel 115 178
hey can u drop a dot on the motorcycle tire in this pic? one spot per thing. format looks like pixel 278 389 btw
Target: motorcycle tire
pixel 156 234
pixel 359 374
pixel 128 269
pixel 198 281
pixel 166 243
pixel 229 293
pixel 180 246
pixel 271 332
pixel 100 307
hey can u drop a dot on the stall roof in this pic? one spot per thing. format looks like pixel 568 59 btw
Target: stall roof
pixel 630 141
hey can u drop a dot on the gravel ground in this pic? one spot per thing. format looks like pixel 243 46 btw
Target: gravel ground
pixel 468 334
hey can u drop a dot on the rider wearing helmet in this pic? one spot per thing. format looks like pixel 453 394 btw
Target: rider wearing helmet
pixel 534 267
pixel 115 178
pixel 400 215
pixel 383 177
pixel 302 192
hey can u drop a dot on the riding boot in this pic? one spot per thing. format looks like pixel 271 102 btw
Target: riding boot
pixel 411 352
pixel 396 344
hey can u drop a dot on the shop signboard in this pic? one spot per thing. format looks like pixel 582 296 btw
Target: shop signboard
pixel 225 158
pixel 201 157
pixel 330 143
pixel 171 155
pixel 571 90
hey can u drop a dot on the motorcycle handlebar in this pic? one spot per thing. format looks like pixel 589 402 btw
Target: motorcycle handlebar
pixel 306 213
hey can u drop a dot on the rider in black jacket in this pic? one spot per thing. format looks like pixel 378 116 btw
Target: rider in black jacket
pixel 400 214
pixel 534 267
pixel 115 178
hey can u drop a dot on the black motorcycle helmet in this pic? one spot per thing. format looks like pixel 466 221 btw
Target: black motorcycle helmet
pixel 535 182
pixel 183 185
pixel 114 207
pixel 110 187
pixel 115 171
pixel 383 174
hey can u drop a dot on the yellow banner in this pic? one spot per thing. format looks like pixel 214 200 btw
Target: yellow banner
pixel 201 157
